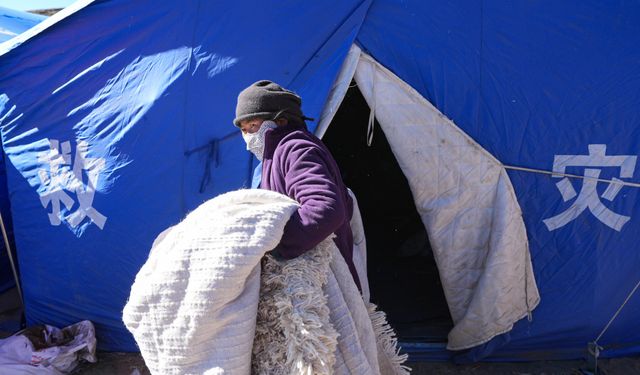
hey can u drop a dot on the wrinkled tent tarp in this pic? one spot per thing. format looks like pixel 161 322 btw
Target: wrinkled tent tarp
pixel 12 23
pixel 135 99
pixel 7 280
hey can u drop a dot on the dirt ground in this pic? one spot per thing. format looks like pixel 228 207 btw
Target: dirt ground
pixel 623 366
pixel 132 364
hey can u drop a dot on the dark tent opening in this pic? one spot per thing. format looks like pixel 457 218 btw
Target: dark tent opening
pixel 402 272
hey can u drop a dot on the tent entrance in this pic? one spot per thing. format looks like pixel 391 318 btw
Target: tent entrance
pixel 403 276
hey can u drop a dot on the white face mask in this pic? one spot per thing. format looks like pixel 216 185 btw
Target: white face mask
pixel 255 141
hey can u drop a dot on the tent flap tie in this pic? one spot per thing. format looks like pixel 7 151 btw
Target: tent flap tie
pixel 212 148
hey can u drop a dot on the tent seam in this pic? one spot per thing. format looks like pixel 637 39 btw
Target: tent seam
pixel 332 34
pixel 184 116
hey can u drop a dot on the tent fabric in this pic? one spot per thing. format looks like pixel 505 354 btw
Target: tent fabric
pixel 467 205
pixel 7 280
pixel 338 90
pixel 139 97
pixel 12 23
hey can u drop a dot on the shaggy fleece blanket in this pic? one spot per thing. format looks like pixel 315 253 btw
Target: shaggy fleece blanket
pixel 199 301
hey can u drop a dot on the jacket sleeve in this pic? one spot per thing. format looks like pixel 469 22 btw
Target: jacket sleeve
pixel 322 206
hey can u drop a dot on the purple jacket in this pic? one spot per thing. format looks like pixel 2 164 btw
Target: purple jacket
pixel 296 163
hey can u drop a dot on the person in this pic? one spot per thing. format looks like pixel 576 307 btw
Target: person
pixel 297 164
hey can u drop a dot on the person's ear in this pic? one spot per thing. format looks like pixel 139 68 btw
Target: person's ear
pixel 281 121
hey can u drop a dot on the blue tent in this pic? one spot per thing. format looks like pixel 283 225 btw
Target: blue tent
pixel 115 117
pixel 12 23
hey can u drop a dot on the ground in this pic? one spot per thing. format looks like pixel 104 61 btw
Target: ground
pixel 132 364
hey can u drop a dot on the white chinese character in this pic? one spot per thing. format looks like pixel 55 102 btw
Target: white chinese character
pixel 55 178
pixel 61 178
pixel 85 193
pixel 588 197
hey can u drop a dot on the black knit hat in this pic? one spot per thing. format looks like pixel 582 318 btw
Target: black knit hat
pixel 267 99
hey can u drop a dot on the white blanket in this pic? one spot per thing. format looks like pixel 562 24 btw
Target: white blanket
pixel 194 303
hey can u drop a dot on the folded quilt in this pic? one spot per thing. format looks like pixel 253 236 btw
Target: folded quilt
pixel 198 302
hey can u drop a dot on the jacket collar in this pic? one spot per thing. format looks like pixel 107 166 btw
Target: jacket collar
pixel 272 137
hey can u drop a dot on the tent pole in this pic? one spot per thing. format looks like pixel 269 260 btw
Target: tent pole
pixel 13 265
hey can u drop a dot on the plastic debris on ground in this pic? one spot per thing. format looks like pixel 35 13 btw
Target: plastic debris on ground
pixel 45 349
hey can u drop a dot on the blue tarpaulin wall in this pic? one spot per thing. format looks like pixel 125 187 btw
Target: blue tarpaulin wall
pixel 7 280
pixel 12 23
pixel 144 92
